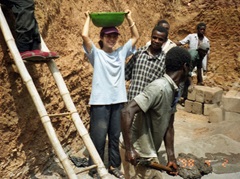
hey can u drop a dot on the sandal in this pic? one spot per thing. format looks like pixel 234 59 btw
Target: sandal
pixel 31 56
pixel 94 174
pixel 38 56
pixel 117 173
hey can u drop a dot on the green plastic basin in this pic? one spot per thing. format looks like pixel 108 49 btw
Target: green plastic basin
pixel 107 19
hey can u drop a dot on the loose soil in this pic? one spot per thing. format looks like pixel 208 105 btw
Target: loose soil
pixel 26 151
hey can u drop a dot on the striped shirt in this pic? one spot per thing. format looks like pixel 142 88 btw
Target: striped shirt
pixel 142 69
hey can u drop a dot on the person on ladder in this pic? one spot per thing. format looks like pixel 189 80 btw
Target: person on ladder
pixel 27 39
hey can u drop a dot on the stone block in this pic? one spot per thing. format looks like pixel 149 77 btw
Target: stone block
pixel 205 94
pixel 199 93
pixel 208 107
pixel 188 106
pixel 192 95
pixel 232 116
pixel 212 95
pixel 231 101
pixel 197 108
pixel 216 115
pixel 193 107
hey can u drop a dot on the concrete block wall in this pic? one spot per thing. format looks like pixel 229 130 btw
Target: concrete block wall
pixel 231 101
pixel 211 101
pixel 205 94
pixel 193 107
pixel 231 105
pixel 202 99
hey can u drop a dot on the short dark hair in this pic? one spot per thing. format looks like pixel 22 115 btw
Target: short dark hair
pixel 160 29
pixel 200 25
pixel 163 21
pixel 176 57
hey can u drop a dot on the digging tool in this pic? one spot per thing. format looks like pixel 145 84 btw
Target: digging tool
pixel 153 165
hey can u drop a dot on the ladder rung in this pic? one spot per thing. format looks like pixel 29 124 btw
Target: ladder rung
pixel 23 71
pixel 61 114
pixel 86 169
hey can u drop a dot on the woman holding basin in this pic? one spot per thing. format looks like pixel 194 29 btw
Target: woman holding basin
pixel 108 93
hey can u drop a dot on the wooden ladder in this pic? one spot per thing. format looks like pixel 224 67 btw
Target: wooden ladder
pixel 45 117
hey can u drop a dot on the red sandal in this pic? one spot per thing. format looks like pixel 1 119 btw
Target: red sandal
pixel 38 55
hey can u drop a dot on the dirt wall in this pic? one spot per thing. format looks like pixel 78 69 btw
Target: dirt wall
pixel 25 149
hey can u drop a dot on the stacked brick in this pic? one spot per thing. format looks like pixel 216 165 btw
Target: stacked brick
pixel 202 99
pixel 231 105
pixel 211 102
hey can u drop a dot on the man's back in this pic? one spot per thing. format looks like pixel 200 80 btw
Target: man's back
pixel 156 103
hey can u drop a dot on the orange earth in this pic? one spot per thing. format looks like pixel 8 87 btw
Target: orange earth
pixel 25 148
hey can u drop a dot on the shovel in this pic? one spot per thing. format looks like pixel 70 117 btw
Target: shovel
pixel 153 165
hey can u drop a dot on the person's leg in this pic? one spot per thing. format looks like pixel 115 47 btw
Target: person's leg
pixel 36 37
pixel 146 173
pixel 204 63
pixel 27 33
pixel 99 121
pixel 114 134
pixel 182 93
pixel 26 25
pixel 128 168
pixel 7 3
pixel 185 91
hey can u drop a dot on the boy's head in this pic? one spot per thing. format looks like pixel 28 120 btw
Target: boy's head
pixel 176 57
pixel 160 29
pixel 164 24
pixel 201 25
pixel 158 37
pixel 201 28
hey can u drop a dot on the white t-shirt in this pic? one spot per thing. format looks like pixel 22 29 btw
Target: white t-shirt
pixel 108 83
pixel 192 40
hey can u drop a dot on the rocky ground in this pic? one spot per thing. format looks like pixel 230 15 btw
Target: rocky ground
pixel 217 143
pixel 25 148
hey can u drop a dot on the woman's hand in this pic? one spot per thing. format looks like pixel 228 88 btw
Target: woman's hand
pixel 128 14
pixel 87 13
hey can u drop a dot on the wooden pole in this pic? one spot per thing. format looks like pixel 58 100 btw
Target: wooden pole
pixel 75 116
pixel 36 98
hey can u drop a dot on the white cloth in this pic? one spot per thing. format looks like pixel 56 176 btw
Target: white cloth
pixel 108 83
pixel 166 46
pixel 193 41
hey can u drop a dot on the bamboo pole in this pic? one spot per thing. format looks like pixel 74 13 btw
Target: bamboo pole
pixel 36 98
pixel 87 169
pixel 75 116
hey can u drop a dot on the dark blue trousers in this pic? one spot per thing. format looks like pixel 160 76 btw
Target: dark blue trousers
pixel 105 120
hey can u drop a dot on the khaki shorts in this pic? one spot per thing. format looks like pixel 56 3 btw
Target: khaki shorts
pixel 137 172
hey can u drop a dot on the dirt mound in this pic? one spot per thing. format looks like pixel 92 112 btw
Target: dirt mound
pixel 26 150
